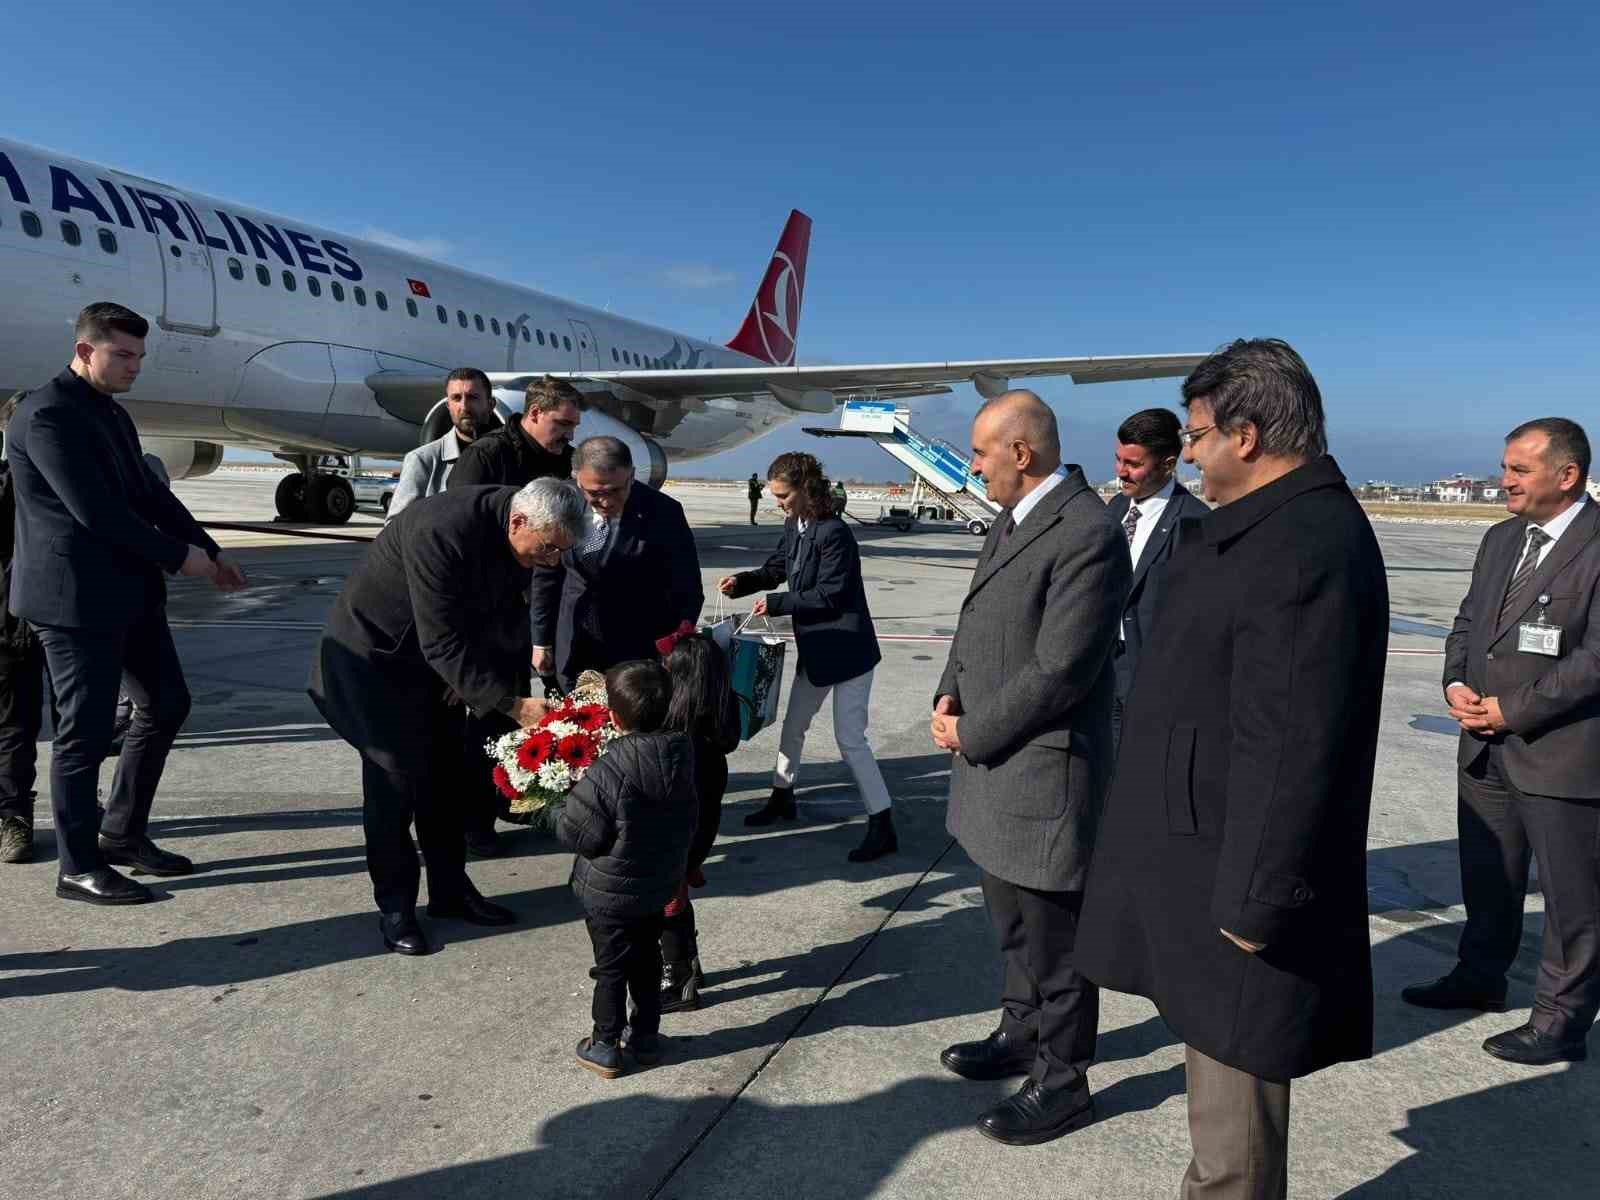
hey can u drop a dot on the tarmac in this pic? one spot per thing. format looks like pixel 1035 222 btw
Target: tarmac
pixel 249 1036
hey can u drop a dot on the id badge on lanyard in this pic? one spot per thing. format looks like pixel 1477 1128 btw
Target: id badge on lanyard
pixel 1539 636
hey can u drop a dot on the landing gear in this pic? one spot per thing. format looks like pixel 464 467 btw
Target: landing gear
pixel 308 495
pixel 290 498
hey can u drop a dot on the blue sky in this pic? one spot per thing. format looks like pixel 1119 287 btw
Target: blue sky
pixel 1408 193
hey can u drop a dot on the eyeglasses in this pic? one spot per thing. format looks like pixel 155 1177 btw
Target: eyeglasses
pixel 1190 436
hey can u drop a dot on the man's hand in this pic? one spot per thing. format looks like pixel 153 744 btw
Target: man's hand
pixel 946 706
pixel 1490 720
pixel 230 577
pixel 197 564
pixel 527 711
pixel 946 730
pixel 728 584
pixel 544 660
pixel 1247 947
pixel 760 608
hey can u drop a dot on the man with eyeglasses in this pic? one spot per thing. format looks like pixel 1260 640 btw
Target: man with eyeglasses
pixel 1229 878
pixel 417 633
pixel 633 577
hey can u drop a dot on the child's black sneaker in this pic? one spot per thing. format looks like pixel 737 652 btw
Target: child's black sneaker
pixel 603 1058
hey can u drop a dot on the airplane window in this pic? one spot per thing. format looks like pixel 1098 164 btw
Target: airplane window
pixel 478 320
pixel 71 234
pixel 614 354
pixel 108 241
pixel 444 317
pixel 313 285
pixel 461 318
pixel 411 306
pixel 494 324
pixel 525 333
pixel 31 225
pixel 337 289
pixel 567 342
pixel 235 268
pixel 288 281
pixel 361 296
pixel 383 301
pixel 636 361
pixel 263 276
pixel 540 332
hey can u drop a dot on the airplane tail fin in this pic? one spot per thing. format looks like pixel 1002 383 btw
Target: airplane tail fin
pixel 772 325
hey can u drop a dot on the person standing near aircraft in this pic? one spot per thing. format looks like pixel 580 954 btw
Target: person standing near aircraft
pixel 21 687
pixel 1148 510
pixel 96 532
pixel 536 447
pixel 753 489
pixel 426 470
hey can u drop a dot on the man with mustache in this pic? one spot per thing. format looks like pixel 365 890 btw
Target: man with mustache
pixel 427 469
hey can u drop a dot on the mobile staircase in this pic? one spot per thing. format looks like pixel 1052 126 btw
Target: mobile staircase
pixel 938 466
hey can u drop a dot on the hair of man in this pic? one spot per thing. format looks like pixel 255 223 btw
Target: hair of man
pixel 553 504
pixel 802 474
pixel 99 321
pixel 1156 429
pixel 638 693
pixel 1568 443
pixel 602 453
pixel 546 394
pixel 472 375
pixel 1264 383
pixel 1027 419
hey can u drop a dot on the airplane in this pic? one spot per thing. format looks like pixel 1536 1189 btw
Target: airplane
pixel 271 334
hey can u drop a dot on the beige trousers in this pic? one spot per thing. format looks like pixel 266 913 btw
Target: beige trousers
pixel 1239 1132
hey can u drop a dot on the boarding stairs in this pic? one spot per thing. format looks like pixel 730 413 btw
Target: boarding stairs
pixel 938 466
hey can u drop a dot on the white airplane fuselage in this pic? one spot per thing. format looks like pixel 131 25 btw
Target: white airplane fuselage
pixel 264 328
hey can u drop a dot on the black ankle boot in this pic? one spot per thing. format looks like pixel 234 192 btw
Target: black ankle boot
pixel 779 804
pixel 880 839
pixel 680 986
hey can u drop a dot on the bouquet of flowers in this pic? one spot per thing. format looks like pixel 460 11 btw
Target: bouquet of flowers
pixel 536 768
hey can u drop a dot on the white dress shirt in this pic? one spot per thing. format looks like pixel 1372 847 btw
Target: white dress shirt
pixel 1150 510
pixel 1028 503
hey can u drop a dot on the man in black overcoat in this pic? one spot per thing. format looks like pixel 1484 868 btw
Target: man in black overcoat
pixel 1522 677
pixel 633 577
pixel 1147 510
pixel 415 634
pixel 1229 883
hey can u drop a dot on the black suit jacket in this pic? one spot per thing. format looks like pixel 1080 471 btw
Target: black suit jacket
pixel 1138 614
pixel 827 600
pixel 507 457
pixel 95 529
pixel 599 616
pixel 1551 705
pixel 1243 784
pixel 424 612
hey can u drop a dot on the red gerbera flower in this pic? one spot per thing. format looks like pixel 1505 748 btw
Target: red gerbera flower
pixel 503 782
pixel 591 717
pixel 577 751
pixel 535 751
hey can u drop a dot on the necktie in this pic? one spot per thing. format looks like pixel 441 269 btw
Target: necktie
pixel 595 544
pixel 1525 569
pixel 1010 528
pixel 1130 523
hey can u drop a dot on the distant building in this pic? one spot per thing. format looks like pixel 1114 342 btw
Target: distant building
pixel 1464 489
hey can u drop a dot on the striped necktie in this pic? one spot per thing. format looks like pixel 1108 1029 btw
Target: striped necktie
pixel 595 544
pixel 1130 524
pixel 1525 569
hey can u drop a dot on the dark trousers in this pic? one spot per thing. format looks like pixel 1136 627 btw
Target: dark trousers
pixel 679 942
pixel 627 959
pixel 1045 1001
pixel 21 706
pixel 428 793
pixel 753 504
pixel 474 785
pixel 1499 828
pixel 87 669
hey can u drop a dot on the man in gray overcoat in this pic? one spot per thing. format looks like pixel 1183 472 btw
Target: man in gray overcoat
pixel 1025 705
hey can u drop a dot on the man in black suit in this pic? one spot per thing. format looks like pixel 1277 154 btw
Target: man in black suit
pixel 1522 678
pixel 633 577
pixel 1148 510
pixel 95 533
pixel 415 635
pixel 1229 881
pixel 536 447
pixel 21 687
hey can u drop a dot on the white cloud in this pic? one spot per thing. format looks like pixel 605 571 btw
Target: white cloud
pixel 428 247
pixel 696 277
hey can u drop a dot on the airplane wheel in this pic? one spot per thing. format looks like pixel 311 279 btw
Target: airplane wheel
pixel 977 528
pixel 332 499
pixel 290 498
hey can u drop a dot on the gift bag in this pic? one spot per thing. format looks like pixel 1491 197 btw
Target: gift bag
pixel 722 626
pixel 756 668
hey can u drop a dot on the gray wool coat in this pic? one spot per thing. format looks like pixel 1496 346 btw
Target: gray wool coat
pixel 1031 670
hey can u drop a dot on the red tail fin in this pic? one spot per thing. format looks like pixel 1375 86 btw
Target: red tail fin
pixel 772 326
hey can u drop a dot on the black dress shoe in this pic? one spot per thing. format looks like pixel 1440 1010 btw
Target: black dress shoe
pixel 1456 990
pixel 1533 1048
pixel 402 934
pixel 473 909
pixel 1034 1115
pixel 779 804
pixel 997 1056
pixel 484 844
pixel 144 855
pixel 104 886
pixel 880 838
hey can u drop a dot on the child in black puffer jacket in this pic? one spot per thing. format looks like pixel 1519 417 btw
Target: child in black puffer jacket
pixel 630 821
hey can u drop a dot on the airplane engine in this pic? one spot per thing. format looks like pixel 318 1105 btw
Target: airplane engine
pixel 183 458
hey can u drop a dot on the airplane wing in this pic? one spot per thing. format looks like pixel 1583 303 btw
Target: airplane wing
pixel 815 389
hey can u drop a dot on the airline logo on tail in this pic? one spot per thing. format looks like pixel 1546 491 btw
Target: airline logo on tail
pixel 771 329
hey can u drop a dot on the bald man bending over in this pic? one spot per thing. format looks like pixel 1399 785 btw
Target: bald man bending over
pixel 1025 707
